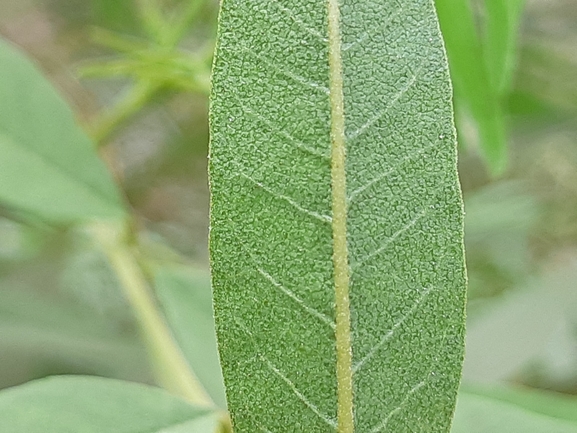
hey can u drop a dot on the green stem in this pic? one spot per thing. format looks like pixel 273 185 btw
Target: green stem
pixel 116 41
pixel 173 371
pixel 181 26
pixel 133 101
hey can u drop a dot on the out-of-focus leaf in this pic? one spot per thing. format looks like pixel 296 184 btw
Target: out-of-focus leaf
pixel 40 329
pixel 185 296
pixel 555 405
pixel 499 208
pixel 480 414
pixel 516 329
pixel 498 225
pixel 18 241
pixel 471 80
pixel 48 166
pixel 114 14
pixel 501 31
pixel 82 404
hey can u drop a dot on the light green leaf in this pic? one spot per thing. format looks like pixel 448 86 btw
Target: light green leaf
pixel 185 296
pixel 34 329
pixel 552 404
pixel 471 79
pixel 480 414
pixel 501 31
pixel 95 405
pixel 48 165
pixel 300 177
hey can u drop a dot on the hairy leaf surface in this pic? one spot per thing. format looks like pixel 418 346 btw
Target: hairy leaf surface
pixel 336 217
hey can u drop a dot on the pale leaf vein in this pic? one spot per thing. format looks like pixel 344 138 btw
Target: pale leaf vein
pixel 391 239
pixel 392 331
pixel 287 199
pixel 299 22
pixel 283 132
pixel 390 171
pixel 295 77
pixel 369 123
pixel 366 35
pixel 327 419
pixel 295 298
pixel 392 413
pixel 331 422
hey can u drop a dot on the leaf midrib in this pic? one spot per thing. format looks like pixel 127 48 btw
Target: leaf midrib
pixel 100 197
pixel 339 225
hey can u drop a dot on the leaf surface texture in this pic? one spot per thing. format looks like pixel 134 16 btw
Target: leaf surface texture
pixel 283 199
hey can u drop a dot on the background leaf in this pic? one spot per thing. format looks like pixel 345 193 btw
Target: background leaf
pixel 272 250
pixel 481 414
pixel 501 32
pixel 547 403
pixel 471 80
pixel 40 335
pixel 48 165
pixel 89 404
pixel 185 296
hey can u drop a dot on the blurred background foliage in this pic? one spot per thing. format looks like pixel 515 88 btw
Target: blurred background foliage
pixel 137 76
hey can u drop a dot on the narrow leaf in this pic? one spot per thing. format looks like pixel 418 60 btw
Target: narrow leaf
pixel 336 218
pixel 95 405
pixel 471 79
pixel 48 165
pixel 501 31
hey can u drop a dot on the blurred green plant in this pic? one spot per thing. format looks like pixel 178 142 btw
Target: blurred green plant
pixel 154 65
pixel 482 60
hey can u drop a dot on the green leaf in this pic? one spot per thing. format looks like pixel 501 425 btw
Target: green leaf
pixel 35 328
pixel 501 31
pixel 471 79
pixel 480 414
pixel 185 296
pixel 555 405
pixel 336 218
pixel 48 165
pixel 88 404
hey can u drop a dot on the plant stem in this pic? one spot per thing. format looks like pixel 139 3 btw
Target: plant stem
pixel 181 26
pixel 135 99
pixel 172 369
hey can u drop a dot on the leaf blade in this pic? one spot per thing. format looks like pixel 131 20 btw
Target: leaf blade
pixel 273 215
pixel 472 81
pixel 502 24
pixel 48 164
pixel 90 404
pixel 480 414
